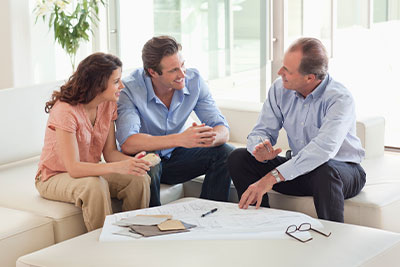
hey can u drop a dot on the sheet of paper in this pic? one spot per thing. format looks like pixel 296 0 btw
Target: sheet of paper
pixel 141 220
pixel 171 225
pixel 153 231
pixel 188 225
pixel 127 232
pixel 229 222
pixel 168 217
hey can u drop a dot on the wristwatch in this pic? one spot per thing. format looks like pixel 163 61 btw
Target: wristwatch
pixel 275 173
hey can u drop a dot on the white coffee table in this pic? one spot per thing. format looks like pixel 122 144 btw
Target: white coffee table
pixel 349 245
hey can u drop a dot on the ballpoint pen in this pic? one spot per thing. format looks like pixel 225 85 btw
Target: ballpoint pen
pixel 266 147
pixel 209 212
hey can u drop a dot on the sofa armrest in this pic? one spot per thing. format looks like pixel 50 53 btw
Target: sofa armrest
pixel 371 131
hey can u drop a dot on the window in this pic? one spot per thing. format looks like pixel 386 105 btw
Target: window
pixel 221 38
pixel 238 51
pixel 303 20
pixel 366 59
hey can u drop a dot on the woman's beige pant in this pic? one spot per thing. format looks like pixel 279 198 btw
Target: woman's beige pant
pixel 92 194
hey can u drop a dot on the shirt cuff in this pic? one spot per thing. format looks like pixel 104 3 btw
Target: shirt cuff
pixel 288 170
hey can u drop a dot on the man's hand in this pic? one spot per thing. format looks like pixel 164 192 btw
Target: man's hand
pixel 198 136
pixel 256 191
pixel 265 151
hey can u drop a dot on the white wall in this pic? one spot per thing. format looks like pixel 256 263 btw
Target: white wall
pixel 21 42
pixel 27 54
pixel 15 45
pixel 6 65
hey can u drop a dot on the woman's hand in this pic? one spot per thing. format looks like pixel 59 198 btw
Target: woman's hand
pixel 134 165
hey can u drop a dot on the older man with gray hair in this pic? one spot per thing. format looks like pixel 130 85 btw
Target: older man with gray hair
pixel 318 115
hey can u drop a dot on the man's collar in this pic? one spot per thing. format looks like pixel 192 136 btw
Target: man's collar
pixel 185 90
pixel 149 87
pixel 320 89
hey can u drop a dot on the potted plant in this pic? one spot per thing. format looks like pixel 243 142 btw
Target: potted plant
pixel 71 21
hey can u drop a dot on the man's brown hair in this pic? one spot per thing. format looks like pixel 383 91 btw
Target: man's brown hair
pixel 157 48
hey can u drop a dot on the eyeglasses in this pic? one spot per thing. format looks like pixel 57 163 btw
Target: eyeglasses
pixel 302 228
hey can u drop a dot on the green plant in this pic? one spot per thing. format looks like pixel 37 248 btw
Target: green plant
pixel 71 20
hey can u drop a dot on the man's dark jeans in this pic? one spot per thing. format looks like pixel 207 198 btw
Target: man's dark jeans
pixel 188 163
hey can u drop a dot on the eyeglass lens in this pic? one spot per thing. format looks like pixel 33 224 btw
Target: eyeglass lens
pixel 301 235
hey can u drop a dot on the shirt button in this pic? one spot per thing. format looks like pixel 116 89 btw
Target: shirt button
pixel 302 123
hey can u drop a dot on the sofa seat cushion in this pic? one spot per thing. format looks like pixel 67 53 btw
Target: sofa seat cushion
pixel 18 191
pixel 21 233
pixel 383 167
pixel 169 193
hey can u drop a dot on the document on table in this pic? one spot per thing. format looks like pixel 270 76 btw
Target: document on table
pixel 140 220
pixel 228 222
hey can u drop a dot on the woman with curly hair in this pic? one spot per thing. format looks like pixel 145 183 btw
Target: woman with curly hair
pixel 80 128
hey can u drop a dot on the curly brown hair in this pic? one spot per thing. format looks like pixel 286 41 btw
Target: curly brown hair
pixel 89 80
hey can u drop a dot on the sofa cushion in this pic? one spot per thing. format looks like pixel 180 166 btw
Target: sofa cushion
pixel 23 121
pixel 384 167
pixel 21 233
pixel 169 193
pixel 18 191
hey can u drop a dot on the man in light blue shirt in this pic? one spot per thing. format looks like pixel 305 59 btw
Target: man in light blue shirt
pixel 318 115
pixel 152 110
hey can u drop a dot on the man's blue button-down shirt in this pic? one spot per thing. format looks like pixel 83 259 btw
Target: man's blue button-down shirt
pixel 141 111
pixel 320 127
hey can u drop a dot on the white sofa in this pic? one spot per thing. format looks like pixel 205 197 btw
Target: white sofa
pixel 30 222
